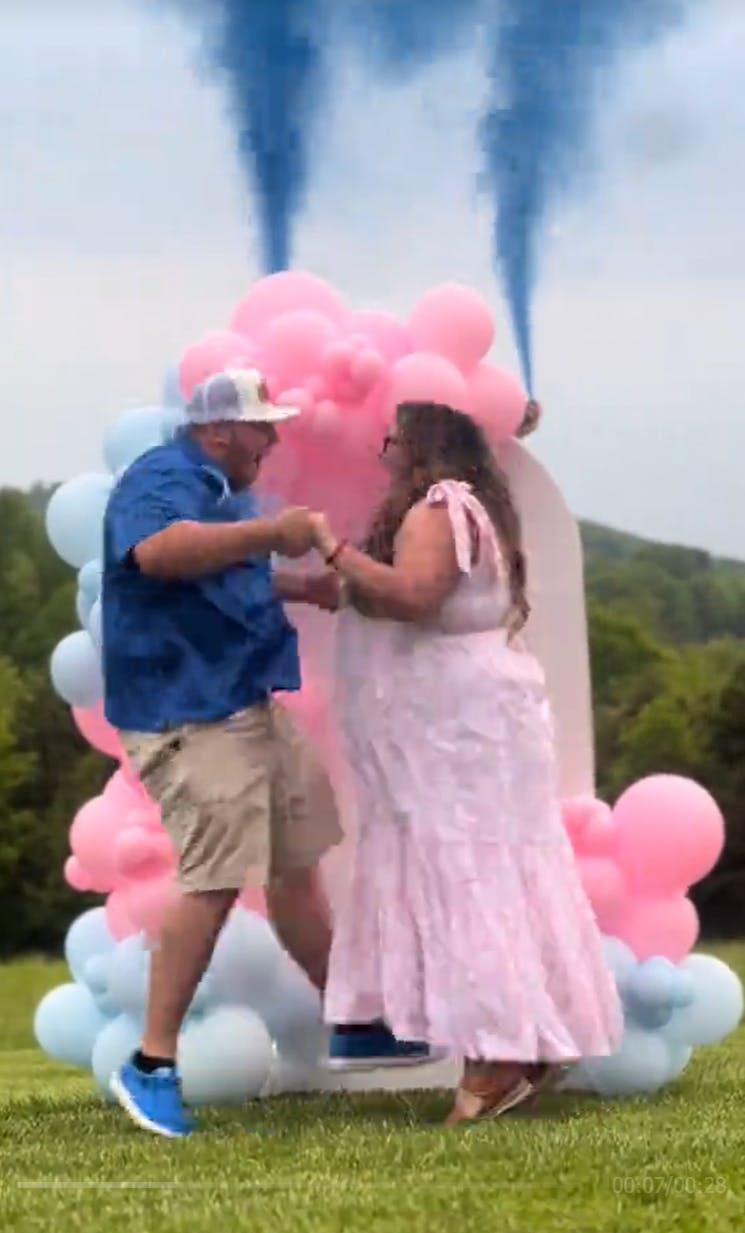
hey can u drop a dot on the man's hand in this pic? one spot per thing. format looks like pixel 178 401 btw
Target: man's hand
pixel 294 534
pixel 324 590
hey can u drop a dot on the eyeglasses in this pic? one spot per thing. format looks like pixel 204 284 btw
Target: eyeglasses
pixel 388 440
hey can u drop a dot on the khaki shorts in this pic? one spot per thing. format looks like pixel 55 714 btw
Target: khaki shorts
pixel 242 800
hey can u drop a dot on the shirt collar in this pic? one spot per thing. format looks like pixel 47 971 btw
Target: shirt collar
pixel 192 450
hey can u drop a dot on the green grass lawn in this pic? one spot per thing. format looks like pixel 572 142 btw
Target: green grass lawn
pixel 378 1163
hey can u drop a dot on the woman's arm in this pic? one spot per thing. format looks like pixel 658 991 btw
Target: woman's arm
pixel 425 571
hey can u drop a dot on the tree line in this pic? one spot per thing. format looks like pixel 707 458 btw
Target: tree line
pixel 668 663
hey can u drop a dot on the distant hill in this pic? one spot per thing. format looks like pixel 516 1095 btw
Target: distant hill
pixel 602 543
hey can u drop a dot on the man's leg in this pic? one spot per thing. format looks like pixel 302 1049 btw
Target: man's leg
pixel 177 963
pixel 300 914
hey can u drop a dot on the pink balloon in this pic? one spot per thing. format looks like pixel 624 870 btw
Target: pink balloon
pixel 327 418
pixel 117 917
pixel 455 322
pixel 123 793
pixel 667 927
pixel 76 876
pixel 421 377
pixel 92 839
pixel 589 823
pixel 94 727
pixel 670 834
pixel 293 345
pixel 298 397
pixel 215 352
pixel 366 369
pixel 137 850
pixel 282 293
pixel 605 888
pixel 388 336
pixel 496 400
pixel 147 899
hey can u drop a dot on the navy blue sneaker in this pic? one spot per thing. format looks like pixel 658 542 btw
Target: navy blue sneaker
pixel 153 1101
pixel 375 1046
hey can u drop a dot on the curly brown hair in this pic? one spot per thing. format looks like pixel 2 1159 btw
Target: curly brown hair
pixel 441 444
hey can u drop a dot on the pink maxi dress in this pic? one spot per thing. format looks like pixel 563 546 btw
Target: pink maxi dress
pixel 466 924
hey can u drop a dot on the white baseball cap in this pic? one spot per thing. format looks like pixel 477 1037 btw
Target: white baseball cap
pixel 238 395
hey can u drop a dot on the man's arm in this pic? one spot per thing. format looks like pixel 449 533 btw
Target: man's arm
pixel 192 549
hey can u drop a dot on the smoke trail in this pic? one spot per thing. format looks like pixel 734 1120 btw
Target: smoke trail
pixel 271 55
pixel 548 62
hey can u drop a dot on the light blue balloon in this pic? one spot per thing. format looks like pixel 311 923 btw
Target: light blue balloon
pixel 128 975
pixel 225 1057
pixel 95 625
pixel 67 1023
pixel 87 938
pixel 133 434
pixel 76 670
pixel 641 1065
pixel 653 982
pixel 246 961
pixel 114 1045
pixel 684 990
pixel 621 960
pixel 294 1018
pixel 90 578
pixel 96 973
pixel 171 393
pixel 74 518
pixel 717 1007
pixel 83 608
pixel 680 1056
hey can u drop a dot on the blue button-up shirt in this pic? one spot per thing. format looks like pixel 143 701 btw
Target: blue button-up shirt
pixel 186 652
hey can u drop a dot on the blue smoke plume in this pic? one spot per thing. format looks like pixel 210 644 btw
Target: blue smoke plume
pixel 271 55
pixel 549 62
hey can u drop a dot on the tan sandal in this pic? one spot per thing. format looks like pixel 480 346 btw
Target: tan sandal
pixel 479 1101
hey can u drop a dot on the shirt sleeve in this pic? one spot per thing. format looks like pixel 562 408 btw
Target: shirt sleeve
pixel 145 503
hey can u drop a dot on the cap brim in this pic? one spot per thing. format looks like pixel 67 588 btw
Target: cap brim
pixel 270 413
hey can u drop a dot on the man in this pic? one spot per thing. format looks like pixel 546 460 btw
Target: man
pixel 196 642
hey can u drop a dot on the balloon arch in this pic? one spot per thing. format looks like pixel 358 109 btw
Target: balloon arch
pixel 255 1020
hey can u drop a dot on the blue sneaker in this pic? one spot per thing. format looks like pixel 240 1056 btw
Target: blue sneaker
pixel 153 1101
pixel 376 1047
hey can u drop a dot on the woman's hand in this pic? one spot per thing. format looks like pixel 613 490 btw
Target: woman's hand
pixel 531 418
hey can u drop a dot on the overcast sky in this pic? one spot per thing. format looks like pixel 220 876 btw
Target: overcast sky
pixel 126 230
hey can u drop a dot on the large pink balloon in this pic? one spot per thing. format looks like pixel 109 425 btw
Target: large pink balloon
pixel 422 377
pixel 75 875
pixel 139 850
pixel 118 919
pixel 94 727
pixel 93 838
pixel 496 400
pixel 589 823
pixel 282 293
pixel 293 345
pixel 147 899
pixel 215 352
pixel 388 336
pixel 670 834
pixel 455 322
pixel 666 927
pixel 605 888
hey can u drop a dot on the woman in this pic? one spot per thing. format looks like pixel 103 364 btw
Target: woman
pixel 467 927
